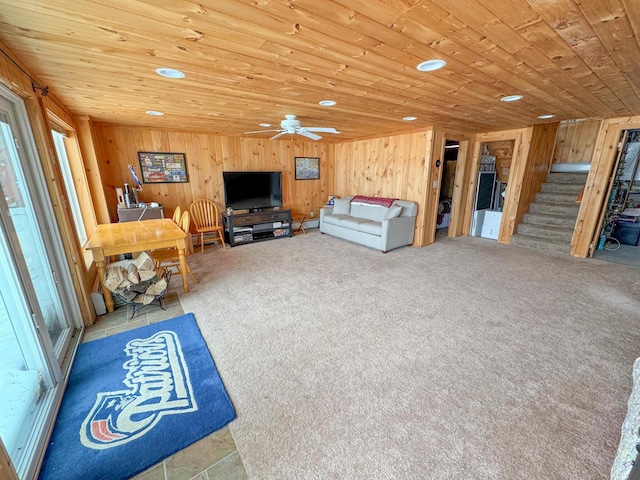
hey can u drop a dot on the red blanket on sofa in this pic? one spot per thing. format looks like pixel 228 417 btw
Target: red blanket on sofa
pixel 385 202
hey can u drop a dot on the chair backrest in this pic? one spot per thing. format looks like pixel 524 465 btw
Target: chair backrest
pixel 204 213
pixel 176 215
pixel 185 222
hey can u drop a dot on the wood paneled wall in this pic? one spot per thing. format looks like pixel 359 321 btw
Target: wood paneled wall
pixel 207 157
pixel 576 140
pixel 503 151
pixel 393 166
pixel 539 160
pixel 37 107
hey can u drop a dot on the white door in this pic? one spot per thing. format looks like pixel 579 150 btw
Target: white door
pixel 39 316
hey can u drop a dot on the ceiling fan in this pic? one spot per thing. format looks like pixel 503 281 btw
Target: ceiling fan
pixel 291 125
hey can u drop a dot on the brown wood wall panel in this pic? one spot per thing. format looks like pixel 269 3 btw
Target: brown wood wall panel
pixel 576 140
pixel 207 157
pixel 537 165
pixel 392 166
pixel 503 151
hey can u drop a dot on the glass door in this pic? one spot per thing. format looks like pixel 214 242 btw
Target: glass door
pixel 38 312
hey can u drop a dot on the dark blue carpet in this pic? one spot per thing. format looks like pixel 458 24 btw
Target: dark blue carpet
pixel 134 399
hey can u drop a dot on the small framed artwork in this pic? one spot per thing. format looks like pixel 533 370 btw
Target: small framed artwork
pixel 163 167
pixel 307 168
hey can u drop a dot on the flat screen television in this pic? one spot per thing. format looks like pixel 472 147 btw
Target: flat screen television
pixel 252 190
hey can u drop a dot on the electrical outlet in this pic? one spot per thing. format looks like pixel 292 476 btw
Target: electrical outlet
pixel 312 214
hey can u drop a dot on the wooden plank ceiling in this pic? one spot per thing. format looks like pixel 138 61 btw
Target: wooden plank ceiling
pixel 253 61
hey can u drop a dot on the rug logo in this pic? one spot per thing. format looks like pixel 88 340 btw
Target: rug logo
pixel 158 384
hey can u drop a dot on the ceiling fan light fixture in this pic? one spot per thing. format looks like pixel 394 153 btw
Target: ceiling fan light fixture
pixel 511 98
pixel 169 73
pixel 154 113
pixel 545 117
pixel 431 65
pixel 327 103
pixel 409 119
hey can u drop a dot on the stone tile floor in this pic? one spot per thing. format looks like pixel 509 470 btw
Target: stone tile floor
pixel 214 457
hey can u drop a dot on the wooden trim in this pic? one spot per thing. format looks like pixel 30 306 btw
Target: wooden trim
pixel 522 140
pixel 86 142
pixel 433 182
pixel 7 472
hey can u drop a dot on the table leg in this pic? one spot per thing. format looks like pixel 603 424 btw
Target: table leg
pixel 183 270
pixel 108 299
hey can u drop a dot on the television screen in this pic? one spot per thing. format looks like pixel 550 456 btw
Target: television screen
pixel 252 190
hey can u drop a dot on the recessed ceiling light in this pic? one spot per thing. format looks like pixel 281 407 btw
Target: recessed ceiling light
pixel 265 124
pixel 511 98
pixel 431 65
pixel 327 103
pixel 169 73
pixel 153 112
pixel 409 119
pixel 544 117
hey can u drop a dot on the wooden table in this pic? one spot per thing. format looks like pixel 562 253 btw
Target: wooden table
pixel 117 238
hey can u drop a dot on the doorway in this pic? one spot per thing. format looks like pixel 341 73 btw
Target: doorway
pixel 447 183
pixel 40 318
pixel 619 236
pixel 491 187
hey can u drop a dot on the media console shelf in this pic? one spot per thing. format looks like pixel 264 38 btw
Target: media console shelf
pixel 241 228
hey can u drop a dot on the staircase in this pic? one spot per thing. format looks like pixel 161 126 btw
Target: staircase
pixel 551 219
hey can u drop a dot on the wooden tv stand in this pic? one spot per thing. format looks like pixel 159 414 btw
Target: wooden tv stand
pixel 241 228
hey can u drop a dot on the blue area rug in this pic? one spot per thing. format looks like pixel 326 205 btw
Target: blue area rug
pixel 134 399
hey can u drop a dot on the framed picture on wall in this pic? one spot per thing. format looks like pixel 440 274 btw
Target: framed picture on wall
pixel 163 167
pixel 307 168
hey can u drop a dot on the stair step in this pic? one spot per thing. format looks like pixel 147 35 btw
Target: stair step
pixel 540 243
pixel 567 178
pixel 549 219
pixel 555 197
pixel 544 231
pixel 553 208
pixel 568 188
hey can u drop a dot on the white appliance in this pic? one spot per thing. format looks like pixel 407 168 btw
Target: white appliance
pixel 491 224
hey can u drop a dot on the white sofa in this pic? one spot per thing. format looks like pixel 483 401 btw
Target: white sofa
pixel 376 226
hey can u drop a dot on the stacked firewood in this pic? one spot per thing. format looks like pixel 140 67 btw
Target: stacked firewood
pixel 136 281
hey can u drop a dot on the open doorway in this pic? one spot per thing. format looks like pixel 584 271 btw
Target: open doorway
pixel 491 187
pixel 450 160
pixel 619 237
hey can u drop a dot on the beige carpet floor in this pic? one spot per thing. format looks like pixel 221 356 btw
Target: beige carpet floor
pixel 467 359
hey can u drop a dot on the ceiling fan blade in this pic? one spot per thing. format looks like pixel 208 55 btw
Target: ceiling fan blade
pixel 321 129
pixel 278 135
pixel 304 133
pixel 261 131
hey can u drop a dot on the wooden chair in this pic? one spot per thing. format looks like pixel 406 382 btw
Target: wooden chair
pixel 177 213
pixel 206 219
pixel 168 257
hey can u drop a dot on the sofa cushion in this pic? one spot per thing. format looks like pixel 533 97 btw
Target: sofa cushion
pixel 352 223
pixel 370 212
pixel 370 227
pixel 393 212
pixel 334 219
pixel 341 206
